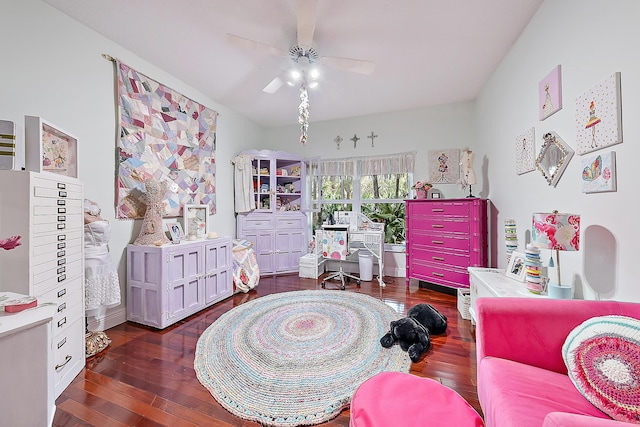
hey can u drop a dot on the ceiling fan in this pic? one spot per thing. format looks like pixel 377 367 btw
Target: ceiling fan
pixel 302 54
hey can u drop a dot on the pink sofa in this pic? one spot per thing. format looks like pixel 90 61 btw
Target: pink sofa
pixel 522 378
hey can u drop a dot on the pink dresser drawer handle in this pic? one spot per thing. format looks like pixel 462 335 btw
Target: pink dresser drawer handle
pixel 437 210
pixel 437 258
pixel 437 226
pixel 437 274
pixel 437 242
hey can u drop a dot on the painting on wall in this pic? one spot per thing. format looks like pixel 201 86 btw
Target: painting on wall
pixel 166 136
pixel 599 116
pixel 599 173
pixel 525 151
pixel 444 166
pixel 550 94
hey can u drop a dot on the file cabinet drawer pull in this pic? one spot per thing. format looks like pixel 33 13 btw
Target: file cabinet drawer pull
pixel 62 307
pixel 62 202
pixel 66 360
pixel 62 322
pixel 62 186
pixel 62 278
pixel 62 292
pixel 61 226
pixel 62 193
pixel 62 210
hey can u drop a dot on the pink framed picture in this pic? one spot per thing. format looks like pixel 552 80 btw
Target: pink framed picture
pixel 550 94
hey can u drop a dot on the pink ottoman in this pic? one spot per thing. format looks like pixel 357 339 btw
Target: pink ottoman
pixel 396 399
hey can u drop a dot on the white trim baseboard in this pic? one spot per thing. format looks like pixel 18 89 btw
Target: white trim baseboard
pixel 113 318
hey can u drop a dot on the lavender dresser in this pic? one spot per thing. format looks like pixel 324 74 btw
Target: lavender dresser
pixel 167 283
pixel 444 237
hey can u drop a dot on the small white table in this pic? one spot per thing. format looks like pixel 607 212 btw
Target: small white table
pixel 491 282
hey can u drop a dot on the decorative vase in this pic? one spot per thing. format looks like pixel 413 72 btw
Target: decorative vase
pixel 421 193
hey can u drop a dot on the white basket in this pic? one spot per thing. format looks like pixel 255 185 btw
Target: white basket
pixel 310 266
pixel 464 302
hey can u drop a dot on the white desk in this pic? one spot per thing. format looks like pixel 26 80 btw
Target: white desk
pixel 491 282
pixel 372 240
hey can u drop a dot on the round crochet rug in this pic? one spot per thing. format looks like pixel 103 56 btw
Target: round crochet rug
pixel 296 358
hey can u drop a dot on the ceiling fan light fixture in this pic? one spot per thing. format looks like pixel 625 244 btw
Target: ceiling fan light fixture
pixel 314 73
pixel 295 74
pixel 313 84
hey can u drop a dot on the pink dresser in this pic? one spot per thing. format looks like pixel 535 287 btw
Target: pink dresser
pixel 444 237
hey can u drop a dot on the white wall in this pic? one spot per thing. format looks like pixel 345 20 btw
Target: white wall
pixel 53 68
pixel 421 130
pixel 591 40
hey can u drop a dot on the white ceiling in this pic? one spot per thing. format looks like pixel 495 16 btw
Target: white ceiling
pixel 426 52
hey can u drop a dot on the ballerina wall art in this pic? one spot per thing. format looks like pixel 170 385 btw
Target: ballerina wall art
pixel 599 116
pixel 550 94
pixel 525 152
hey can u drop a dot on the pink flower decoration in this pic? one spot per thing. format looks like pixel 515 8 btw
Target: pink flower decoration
pixel 10 243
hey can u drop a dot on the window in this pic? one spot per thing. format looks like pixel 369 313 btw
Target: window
pixel 374 186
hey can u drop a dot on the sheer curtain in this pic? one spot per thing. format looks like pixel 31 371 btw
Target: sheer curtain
pixel 370 165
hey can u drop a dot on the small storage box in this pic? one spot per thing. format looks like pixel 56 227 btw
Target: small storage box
pixel 464 302
pixel 311 266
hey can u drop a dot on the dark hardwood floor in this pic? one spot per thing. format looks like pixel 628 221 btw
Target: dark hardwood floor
pixel 146 376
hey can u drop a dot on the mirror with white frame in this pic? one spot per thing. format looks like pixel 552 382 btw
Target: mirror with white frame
pixel 553 158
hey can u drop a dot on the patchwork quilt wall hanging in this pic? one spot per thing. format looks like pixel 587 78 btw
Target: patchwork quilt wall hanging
pixel 165 136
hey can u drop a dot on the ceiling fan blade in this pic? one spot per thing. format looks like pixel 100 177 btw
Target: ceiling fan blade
pixel 347 64
pixel 254 45
pixel 307 13
pixel 273 86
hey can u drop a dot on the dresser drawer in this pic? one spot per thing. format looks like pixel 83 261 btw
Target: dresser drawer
pixel 441 224
pixel 439 241
pixel 68 354
pixel 51 206
pixel 64 296
pixel 56 189
pixel 59 275
pixel 441 208
pixel 70 237
pixel 441 257
pixel 440 274
pixel 55 251
pixel 258 224
pixel 289 223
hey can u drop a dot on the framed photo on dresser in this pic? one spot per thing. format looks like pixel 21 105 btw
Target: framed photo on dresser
pixel 515 269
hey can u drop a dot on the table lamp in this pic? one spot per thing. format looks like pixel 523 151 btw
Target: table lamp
pixel 559 232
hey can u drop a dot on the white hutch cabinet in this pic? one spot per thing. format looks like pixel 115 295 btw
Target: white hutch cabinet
pixel 46 210
pixel 277 227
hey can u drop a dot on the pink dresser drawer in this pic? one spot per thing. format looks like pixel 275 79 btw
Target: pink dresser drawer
pixel 440 241
pixel 441 257
pixel 443 224
pixel 451 208
pixel 440 275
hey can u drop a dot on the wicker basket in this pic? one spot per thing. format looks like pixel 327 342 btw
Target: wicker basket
pixel 464 302
pixel 310 266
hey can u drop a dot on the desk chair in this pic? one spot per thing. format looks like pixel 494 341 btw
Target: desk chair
pixel 335 245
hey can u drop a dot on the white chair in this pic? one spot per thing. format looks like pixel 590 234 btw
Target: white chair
pixel 335 246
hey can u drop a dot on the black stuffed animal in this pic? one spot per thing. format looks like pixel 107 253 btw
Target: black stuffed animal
pixel 413 332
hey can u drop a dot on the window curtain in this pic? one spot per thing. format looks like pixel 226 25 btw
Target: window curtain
pixel 372 165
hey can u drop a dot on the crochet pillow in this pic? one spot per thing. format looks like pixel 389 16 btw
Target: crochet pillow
pixel 602 357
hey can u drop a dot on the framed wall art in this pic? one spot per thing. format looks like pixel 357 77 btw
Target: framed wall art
pixel 550 94
pixel 49 149
pixel 196 220
pixel 515 269
pixel 175 231
pixel 599 173
pixel 525 151
pixel 444 166
pixel 599 116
